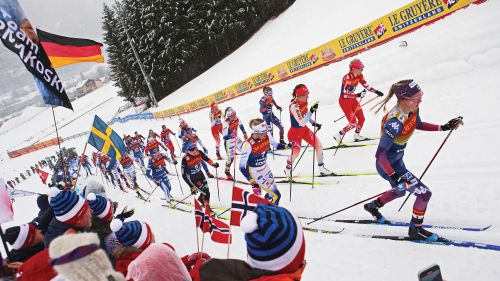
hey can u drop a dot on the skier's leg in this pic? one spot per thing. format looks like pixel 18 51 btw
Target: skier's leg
pixel 314 141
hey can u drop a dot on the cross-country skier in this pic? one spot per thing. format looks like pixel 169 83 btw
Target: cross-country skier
pixel 192 174
pixel 188 136
pixel 114 171
pixel 165 138
pixel 86 164
pixel 135 149
pixel 153 147
pixel 216 127
pixel 151 133
pixel 349 103
pixel 129 170
pixel 231 140
pixel 300 115
pixel 140 140
pixel 397 127
pixel 156 171
pixel 254 157
pixel 266 108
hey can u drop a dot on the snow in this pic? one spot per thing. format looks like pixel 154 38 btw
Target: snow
pixel 454 61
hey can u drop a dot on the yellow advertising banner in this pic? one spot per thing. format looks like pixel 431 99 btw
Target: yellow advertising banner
pixel 406 19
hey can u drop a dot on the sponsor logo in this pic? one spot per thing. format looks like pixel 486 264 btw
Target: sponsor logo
pixel 380 30
pixel 262 78
pixel 450 3
pixel 389 133
pixel 220 95
pixel 357 39
pixel 282 73
pixel 301 62
pixel 243 86
pixel 395 126
pixel 416 13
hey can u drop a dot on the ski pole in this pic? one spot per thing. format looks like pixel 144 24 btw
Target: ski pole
pixel 348 207
pixel 182 200
pixel 350 122
pixel 225 211
pixel 217 179
pixel 342 117
pixel 154 189
pixel 314 144
pixel 428 165
pixel 179 179
pixel 296 163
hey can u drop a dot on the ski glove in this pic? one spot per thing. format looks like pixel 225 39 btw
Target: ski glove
pixel 317 125
pixel 401 182
pixel 361 94
pixel 215 165
pixel 125 214
pixel 245 136
pixel 452 124
pixel 379 93
pixel 205 150
pixel 279 108
pixel 194 190
pixel 314 107
pixel 256 189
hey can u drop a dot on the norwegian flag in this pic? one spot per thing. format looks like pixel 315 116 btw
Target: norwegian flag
pixel 243 201
pixel 219 230
pixel 199 216
pixel 43 175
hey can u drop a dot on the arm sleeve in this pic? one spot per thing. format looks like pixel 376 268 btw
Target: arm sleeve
pixel 179 133
pixel 345 90
pixel 424 126
pixel 200 142
pixel 169 131
pixel 148 171
pixel 275 104
pixel 263 106
pixel 274 143
pixel 225 130
pixel 298 116
pixel 392 129
pixel 242 128
pixel 364 84
pixel 205 158
pixel 245 154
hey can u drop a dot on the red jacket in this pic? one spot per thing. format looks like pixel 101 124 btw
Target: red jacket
pixel 37 268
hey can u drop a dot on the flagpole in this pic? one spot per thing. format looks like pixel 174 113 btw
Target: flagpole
pixel 196 228
pixel 59 143
pixel 80 164
pixel 230 217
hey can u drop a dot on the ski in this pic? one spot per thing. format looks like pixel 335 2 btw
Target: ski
pixel 226 179
pixel 349 145
pixel 143 199
pixel 406 224
pixel 176 208
pixel 298 182
pixel 324 231
pixel 148 193
pixel 330 175
pixel 443 242
pixel 192 205
pixel 365 139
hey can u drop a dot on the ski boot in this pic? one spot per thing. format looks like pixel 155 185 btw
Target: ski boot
pixel 228 175
pixel 139 195
pixel 324 171
pixel 217 153
pixel 338 137
pixel 282 141
pixel 417 232
pixel 288 168
pixel 210 175
pixel 372 208
pixel 357 137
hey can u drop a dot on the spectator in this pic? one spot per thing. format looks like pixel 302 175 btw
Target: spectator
pixel 78 257
pixel 26 241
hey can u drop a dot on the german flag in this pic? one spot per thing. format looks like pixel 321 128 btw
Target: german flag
pixel 66 50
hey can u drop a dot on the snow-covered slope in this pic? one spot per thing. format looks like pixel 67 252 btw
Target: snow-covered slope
pixel 454 60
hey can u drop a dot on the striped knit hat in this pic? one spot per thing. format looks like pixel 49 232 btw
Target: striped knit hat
pixel 20 237
pixel 132 233
pixel 275 239
pixel 101 207
pixel 68 206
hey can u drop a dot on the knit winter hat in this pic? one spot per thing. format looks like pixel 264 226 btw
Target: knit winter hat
pixel 100 206
pixel 158 263
pixel 68 206
pixel 20 237
pixel 132 233
pixel 78 257
pixel 275 239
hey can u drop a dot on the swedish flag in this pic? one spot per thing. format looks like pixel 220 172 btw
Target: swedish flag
pixel 105 139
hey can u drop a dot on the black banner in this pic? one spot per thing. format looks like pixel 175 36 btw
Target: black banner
pixel 18 35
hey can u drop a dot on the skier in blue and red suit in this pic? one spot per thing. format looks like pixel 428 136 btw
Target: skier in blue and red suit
pixel 397 127
pixel 266 108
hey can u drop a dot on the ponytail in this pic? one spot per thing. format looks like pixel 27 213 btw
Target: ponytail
pixel 383 103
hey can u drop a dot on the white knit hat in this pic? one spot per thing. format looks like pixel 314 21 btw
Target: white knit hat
pixel 78 258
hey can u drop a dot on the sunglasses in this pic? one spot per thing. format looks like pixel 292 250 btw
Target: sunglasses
pixel 192 148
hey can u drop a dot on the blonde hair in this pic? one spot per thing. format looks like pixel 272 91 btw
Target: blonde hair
pixel 255 121
pixel 383 103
